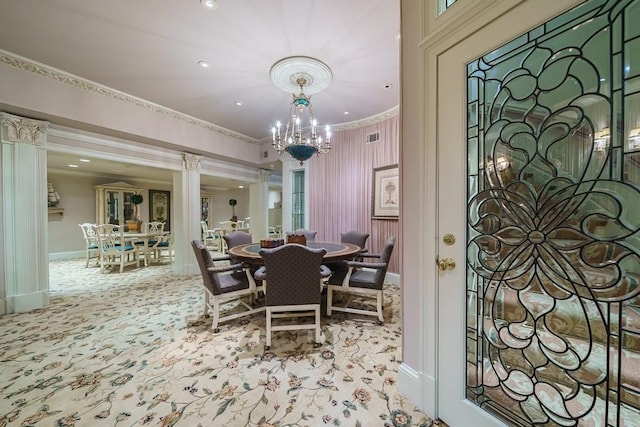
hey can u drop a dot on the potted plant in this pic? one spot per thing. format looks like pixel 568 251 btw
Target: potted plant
pixel 233 203
pixel 135 223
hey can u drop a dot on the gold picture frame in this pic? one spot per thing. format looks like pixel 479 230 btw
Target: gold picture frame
pixel 385 199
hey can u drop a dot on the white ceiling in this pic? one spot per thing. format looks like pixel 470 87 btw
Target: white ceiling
pixel 151 48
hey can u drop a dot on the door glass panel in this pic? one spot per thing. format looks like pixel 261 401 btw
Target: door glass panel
pixel 113 207
pixel 553 237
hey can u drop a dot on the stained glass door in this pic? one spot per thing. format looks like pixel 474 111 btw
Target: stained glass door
pixel 551 259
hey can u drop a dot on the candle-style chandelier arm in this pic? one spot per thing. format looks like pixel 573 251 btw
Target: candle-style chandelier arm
pixel 300 136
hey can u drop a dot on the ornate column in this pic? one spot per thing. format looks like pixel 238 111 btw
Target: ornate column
pixel 186 211
pixel 259 206
pixel 24 282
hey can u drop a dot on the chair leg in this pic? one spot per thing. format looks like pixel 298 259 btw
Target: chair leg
pixel 319 339
pixel 379 306
pixel 206 304
pixel 216 315
pixel 329 299
pixel 268 333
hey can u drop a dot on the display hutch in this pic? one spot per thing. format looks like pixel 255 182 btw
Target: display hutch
pixel 113 203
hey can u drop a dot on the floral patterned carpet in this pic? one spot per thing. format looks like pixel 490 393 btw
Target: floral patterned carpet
pixel 134 349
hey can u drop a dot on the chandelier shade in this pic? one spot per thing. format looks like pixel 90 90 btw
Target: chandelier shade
pixel 300 137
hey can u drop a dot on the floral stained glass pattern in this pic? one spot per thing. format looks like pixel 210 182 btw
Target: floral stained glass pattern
pixel 553 225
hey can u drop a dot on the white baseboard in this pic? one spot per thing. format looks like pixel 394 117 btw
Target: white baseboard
pixel 26 302
pixel 66 255
pixel 393 278
pixel 418 388
pixel 409 384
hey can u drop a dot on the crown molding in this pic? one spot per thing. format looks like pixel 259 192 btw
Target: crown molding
pixel 367 121
pixel 43 70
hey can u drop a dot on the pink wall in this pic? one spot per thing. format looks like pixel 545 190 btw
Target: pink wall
pixel 340 186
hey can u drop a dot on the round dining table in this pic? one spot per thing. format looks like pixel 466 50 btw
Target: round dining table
pixel 336 251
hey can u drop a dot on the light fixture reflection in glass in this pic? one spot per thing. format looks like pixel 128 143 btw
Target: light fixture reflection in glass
pixel 634 139
pixel 601 139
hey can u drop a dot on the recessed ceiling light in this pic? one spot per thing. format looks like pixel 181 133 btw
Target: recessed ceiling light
pixel 209 4
pixel 85 160
pixel 346 113
pixel 240 186
pixel 239 103
pixel 203 64
pixel 73 166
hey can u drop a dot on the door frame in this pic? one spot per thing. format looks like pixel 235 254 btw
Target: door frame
pixel 426 39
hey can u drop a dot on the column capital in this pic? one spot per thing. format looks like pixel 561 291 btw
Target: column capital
pixel 21 129
pixel 191 162
pixel 264 175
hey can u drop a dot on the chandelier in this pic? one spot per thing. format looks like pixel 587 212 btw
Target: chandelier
pixel 300 136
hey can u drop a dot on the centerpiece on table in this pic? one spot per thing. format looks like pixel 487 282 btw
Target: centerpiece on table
pixel 135 224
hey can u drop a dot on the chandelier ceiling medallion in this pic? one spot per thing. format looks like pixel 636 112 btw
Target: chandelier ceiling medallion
pixel 302 76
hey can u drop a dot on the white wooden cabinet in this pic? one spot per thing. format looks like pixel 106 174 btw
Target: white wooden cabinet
pixel 113 203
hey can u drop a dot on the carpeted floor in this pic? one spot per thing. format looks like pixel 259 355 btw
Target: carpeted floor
pixel 134 349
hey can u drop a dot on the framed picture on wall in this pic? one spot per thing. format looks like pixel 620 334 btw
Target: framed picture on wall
pixel 160 207
pixel 385 192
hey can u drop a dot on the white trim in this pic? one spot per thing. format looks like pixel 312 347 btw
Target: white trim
pixel 410 384
pixel 43 70
pixel 27 302
pixel 57 256
pixel 65 140
pixel 392 279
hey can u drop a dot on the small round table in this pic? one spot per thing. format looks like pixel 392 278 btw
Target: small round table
pixel 250 253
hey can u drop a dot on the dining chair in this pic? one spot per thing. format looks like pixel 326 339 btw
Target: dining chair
pixel 355 238
pixel 364 279
pixel 293 278
pixel 212 237
pixel 114 249
pixel 91 242
pixel 153 227
pixel 236 238
pixel 163 248
pixel 225 285
pixel 145 244
pixel 339 269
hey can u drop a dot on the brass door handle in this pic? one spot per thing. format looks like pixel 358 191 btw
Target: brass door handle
pixel 446 264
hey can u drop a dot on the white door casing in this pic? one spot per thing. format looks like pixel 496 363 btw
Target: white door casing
pixel 452 406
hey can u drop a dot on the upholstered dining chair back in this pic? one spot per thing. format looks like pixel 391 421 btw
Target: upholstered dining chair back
pixel 293 275
pixel 355 238
pixel 237 238
pixel 376 278
pixel 364 278
pixel 213 278
pixel 223 284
